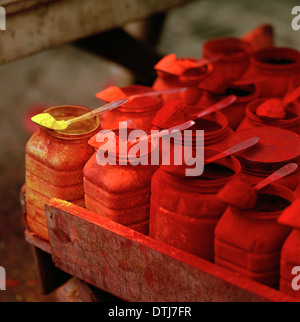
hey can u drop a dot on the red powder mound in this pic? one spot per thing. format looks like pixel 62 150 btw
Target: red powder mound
pixel 178 66
pixel 173 113
pixel 111 94
pixel 238 193
pixel 168 64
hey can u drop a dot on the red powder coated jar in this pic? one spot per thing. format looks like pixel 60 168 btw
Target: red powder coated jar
pixel 290 253
pixel 276 148
pixel 138 113
pixel 273 67
pixel 291 121
pixel 235 113
pixel 173 72
pixel 119 192
pixel 250 242
pixel 54 164
pixel 294 83
pixel 185 211
pixel 233 61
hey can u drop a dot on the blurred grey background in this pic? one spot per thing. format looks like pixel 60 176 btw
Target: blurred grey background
pixel 68 75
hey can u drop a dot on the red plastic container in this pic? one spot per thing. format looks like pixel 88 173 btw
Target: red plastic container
pixel 294 83
pixel 290 253
pixel 173 72
pixel 119 192
pixel 234 61
pixel 185 211
pixel 215 126
pixel 291 122
pixel 54 164
pixel 138 113
pixel 235 113
pixel 276 148
pixel 273 67
pixel 249 242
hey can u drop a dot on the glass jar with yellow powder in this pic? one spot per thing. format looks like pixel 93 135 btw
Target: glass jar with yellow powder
pixel 54 164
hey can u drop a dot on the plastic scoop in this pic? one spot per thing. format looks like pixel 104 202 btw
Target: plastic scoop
pixel 113 93
pixel 237 148
pixel 48 121
pixel 275 108
pixel 281 173
pixel 240 194
pixel 229 100
pixel 180 127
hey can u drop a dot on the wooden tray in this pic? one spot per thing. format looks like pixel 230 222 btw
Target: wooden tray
pixel 137 268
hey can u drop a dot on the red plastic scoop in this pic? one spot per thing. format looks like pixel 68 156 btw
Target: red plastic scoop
pixel 237 148
pixel 275 108
pixel 281 173
pixel 229 100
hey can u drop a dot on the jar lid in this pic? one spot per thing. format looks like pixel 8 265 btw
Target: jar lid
pixel 276 148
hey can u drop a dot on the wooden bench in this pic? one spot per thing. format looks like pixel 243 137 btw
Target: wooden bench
pixel 36 25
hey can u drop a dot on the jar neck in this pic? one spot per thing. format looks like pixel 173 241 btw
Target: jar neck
pixel 285 123
pixel 273 190
pixel 200 185
pixel 65 137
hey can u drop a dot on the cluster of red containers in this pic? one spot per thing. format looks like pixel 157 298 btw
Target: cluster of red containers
pixel 185 212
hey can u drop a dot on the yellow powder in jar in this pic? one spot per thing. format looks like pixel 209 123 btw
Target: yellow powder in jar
pixel 48 121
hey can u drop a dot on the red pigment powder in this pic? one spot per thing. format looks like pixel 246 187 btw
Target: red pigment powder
pixel 206 125
pixel 215 171
pixel 270 203
pixel 173 113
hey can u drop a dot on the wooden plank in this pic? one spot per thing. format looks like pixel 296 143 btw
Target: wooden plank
pixel 59 22
pixel 134 267
pixel 14 6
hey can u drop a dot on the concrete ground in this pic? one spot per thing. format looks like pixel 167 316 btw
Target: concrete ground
pixel 67 75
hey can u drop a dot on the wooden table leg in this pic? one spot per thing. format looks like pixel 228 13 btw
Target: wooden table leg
pixel 118 46
pixel 50 276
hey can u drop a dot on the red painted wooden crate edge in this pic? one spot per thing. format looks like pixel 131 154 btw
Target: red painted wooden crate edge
pixel 135 267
